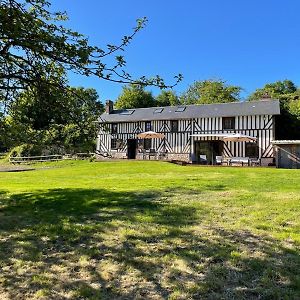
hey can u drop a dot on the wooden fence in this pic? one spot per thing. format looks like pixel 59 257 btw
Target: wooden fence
pixel 29 159
pixel 47 158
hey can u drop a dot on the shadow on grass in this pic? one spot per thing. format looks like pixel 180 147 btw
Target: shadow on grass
pixel 95 244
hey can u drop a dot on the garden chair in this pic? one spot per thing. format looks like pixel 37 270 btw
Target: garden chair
pixel 203 159
pixel 219 160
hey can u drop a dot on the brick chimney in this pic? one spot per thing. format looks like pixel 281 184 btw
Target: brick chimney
pixel 266 96
pixel 109 106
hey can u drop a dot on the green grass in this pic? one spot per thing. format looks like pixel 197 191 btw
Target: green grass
pixel 149 230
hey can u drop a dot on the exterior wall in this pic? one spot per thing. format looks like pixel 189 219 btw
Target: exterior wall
pixel 180 156
pixel 288 156
pixel 261 126
pixel 181 145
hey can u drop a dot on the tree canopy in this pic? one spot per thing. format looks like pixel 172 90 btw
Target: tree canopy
pixel 288 122
pixel 275 90
pixel 167 98
pixel 33 40
pixel 66 123
pixel 210 91
pixel 37 50
pixel 134 96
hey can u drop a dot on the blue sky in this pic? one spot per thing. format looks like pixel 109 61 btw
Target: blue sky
pixel 246 43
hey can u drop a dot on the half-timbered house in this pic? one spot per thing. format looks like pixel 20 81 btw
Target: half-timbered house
pixel 190 131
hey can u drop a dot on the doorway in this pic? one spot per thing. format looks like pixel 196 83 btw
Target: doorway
pixel 208 150
pixel 131 148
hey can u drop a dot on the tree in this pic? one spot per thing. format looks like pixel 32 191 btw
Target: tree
pixel 39 108
pixel 210 91
pixel 66 123
pixel 82 111
pixel 288 122
pixel 276 90
pixel 134 96
pixel 33 40
pixel 167 98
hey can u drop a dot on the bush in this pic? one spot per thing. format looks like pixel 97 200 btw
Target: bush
pixel 26 150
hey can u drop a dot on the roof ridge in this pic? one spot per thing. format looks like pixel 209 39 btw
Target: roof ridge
pixel 203 104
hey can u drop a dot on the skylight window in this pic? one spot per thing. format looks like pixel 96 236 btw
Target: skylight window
pixel 180 109
pixel 158 110
pixel 127 112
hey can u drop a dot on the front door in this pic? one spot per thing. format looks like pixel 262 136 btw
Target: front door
pixel 131 148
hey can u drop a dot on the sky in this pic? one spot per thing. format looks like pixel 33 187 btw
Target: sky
pixel 247 43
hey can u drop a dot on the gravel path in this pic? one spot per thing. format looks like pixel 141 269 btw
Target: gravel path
pixel 15 168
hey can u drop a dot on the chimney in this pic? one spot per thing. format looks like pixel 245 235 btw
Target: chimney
pixel 266 96
pixel 109 106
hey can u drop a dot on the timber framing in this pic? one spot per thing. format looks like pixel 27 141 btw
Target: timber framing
pixel 254 119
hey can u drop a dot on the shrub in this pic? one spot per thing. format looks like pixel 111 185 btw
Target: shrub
pixel 25 150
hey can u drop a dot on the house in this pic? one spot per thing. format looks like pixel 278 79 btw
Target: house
pixel 190 131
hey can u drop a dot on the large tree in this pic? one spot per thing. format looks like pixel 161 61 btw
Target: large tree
pixel 41 107
pixel 210 91
pixel 33 40
pixel 67 122
pixel 135 96
pixel 276 90
pixel 167 98
pixel 288 122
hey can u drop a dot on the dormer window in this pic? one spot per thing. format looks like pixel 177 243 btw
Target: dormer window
pixel 158 110
pixel 127 112
pixel 180 109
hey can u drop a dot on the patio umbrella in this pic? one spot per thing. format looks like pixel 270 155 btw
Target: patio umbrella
pixel 150 135
pixel 238 137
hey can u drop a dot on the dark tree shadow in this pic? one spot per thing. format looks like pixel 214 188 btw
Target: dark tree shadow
pixel 104 244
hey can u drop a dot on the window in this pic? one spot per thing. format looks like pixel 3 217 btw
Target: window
pixel 114 128
pixel 147 126
pixel 251 150
pixel 147 144
pixel 174 126
pixel 228 123
pixel 113 144
pixel 180 109
pixel 127 112
pixel 158 110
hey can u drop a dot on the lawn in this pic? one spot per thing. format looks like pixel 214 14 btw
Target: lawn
pixel 149 230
